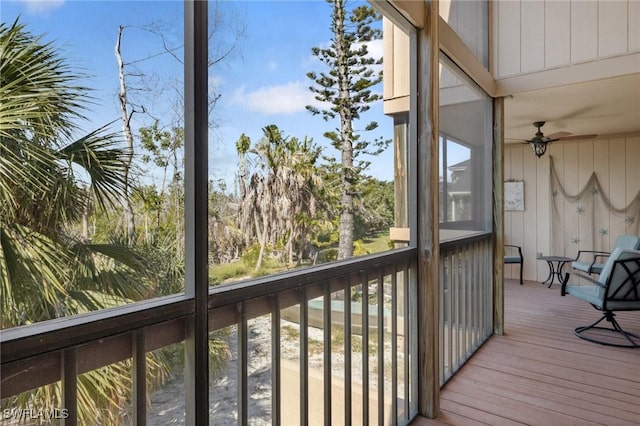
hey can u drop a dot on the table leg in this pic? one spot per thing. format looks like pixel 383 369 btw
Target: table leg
pixel 558 272
pixel 554 273
pixel 550 277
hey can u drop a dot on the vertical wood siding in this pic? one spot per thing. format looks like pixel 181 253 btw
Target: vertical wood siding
pixel 615 162
pixel 574 32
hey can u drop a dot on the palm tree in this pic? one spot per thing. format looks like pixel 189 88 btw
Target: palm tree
pixel 48 177
pixel 278 202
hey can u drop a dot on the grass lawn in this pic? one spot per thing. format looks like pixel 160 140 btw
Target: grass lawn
pixel 225 272
pixel 377 243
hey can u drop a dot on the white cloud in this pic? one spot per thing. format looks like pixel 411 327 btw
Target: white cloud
pixel 281 99
pixel 214 83
pixel 42 6
pixel 291 97
pixel 375 48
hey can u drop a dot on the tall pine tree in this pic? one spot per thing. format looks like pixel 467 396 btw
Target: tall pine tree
pixel 347 90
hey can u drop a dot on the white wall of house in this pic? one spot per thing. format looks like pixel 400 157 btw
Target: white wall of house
pixel 531 36
pixel 615 161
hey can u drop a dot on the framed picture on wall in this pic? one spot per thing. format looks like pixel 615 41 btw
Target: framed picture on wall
pixel 514 195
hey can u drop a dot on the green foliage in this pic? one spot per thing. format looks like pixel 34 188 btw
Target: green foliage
pixel 250 255
pixel 243 144
pixel 166 265
pixel 360 248
pixel 269 263
pixel 374 204
pixel 337 341
pixel 380 242
pixel 225 271
pixel 290 333
pixel 163 149
pixel 219 353
pixel 326 234
pixel 374 207
pixel 328 255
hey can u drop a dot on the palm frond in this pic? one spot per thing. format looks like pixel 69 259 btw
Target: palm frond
pixel 34 275
pixel 27 170
pixel 112 269
pixel 121 254
pixel 36 87
pixel 101 157
pixel 90 300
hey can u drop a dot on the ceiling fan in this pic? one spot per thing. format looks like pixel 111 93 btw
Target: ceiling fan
pixel 539 141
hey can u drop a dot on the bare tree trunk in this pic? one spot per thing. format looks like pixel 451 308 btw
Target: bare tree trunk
pixel 290 244
pixel 179 217
pixel 263 241
pixel 126 127
pixel 86 212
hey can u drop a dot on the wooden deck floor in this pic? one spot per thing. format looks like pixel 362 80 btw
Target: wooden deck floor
pixel 539 373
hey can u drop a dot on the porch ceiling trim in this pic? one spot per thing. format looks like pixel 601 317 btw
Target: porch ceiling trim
pixel 577 73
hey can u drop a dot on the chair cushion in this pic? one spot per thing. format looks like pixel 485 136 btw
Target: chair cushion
pixel 512 259
pixel 594 295
pixel 584 267
pixel 628 242
pixel 622 288
pixel 617 254
pixel 589 293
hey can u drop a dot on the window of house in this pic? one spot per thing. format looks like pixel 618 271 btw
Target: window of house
pixel 465 154
pixel 455 181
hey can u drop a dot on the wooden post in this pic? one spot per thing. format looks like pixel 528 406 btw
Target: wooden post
pixel 498 216
pixel 428 220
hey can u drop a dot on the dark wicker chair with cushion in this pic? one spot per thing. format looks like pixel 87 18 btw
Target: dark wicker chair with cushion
pixel 510 256
pixel 618 289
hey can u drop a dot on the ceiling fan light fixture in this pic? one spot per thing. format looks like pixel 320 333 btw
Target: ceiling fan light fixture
pixel 539 141
pixel 539 148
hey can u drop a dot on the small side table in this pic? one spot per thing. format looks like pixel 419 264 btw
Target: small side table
pixel 555 270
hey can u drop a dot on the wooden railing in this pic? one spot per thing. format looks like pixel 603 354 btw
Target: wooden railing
pixel 377 371
pixel 466 300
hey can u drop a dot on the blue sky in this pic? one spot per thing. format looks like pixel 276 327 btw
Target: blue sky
pixel 263 81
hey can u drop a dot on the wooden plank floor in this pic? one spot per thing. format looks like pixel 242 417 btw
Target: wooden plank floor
pixel 539 373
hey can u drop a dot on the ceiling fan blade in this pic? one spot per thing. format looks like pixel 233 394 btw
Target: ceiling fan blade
pixel 576 137
pixel 559 135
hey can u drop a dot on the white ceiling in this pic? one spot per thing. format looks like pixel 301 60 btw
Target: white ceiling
pixel 601 107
